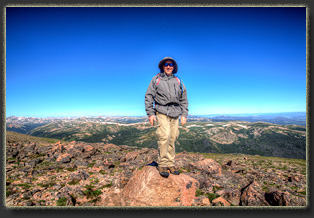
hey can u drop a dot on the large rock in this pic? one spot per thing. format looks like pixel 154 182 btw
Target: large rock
pixel 64 158
pixel 207 165
pixel 148 188
pixel 111 147
pixel 221 201
pixel 277 198
pixel 252 197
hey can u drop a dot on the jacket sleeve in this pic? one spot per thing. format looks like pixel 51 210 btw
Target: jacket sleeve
pixel 150 98
pixel 184 102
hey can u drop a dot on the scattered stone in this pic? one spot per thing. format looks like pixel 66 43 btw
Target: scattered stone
pixel 276 198
pixel 221 201
pixel 64 158
pixel 251 196
pixel 207 165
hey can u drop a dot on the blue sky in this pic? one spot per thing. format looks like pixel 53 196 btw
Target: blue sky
pixel 86 61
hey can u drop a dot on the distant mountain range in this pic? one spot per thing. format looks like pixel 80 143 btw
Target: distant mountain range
pixel 297 118
pixel 207 135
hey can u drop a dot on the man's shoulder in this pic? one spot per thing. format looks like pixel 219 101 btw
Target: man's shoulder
pixel 156 76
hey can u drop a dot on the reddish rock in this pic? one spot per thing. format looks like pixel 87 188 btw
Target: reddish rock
pixel 232 196
pixel 221 200
pixel 88 149
pixel 148 188
pixel 109 147
pixel 129 156
pixel 94 168
pixel 205 202
pixel 64 158
pixel 207 165
pixel 184 158
pixel 110 197
pixel 59 147
pixel 202 201
pixel 252 197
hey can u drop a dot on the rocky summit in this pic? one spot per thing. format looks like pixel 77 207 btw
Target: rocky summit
pixel 42 173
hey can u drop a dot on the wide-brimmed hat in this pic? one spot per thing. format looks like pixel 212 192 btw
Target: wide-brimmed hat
pixel 175 69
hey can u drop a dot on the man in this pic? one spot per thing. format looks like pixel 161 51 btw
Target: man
pixel 168 94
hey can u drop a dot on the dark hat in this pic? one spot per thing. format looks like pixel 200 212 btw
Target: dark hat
pixel 175 69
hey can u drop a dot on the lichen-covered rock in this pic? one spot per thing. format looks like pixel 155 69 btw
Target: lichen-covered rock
pixel 207 165
pixel 251 196
pixel 148 188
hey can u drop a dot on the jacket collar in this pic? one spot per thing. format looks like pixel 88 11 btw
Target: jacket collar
pixel 165 75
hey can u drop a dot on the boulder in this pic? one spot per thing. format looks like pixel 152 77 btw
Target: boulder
pixel 59 147
pixel 202 201
pixel 111 147
pixel 232 196
pixel 207 165
pixel 251 196
pixel 148 188
pixel 276 198
pixel 89 149
pixel 110 197
pixel 221 201
pixel 64 158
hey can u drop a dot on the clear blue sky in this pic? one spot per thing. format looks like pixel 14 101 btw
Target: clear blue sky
pixel 80 61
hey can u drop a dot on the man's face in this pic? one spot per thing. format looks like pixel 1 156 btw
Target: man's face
pixel 168 69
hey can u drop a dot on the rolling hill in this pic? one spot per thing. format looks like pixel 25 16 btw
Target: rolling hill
pixel 258 138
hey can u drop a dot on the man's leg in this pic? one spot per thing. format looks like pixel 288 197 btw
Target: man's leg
pixel 174 134
pixel 163 139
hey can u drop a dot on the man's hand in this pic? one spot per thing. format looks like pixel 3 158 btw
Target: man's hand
pixel 183 120
pixel 151 119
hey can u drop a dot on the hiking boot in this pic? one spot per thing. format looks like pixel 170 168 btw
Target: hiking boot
pixel 163 171
pixel 173 170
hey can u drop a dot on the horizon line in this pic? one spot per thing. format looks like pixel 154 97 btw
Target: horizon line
pixel 212 114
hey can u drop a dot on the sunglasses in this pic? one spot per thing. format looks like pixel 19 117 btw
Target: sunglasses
pixel 168 64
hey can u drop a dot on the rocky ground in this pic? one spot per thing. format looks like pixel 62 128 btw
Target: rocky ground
pixel 97 174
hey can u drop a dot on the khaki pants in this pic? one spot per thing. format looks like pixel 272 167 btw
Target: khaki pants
pixel 167 133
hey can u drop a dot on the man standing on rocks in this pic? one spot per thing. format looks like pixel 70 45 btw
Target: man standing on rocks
pixel 165 101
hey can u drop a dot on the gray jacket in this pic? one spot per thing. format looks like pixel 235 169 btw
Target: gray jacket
pixel 167 96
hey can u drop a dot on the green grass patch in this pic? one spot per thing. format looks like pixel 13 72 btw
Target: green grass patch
pixel 71 169
pixel 215 188
pixel 199 193
pixel 25 185
pixel 302 192
pixel 91 165
pixel 212 196
pixel 265 188
pixel 91 192
pixel 62 202
pixel 74 182
pixel 9 192
pixel 107 186
pixel 102 172
pixel 94 180
pixel 47 185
